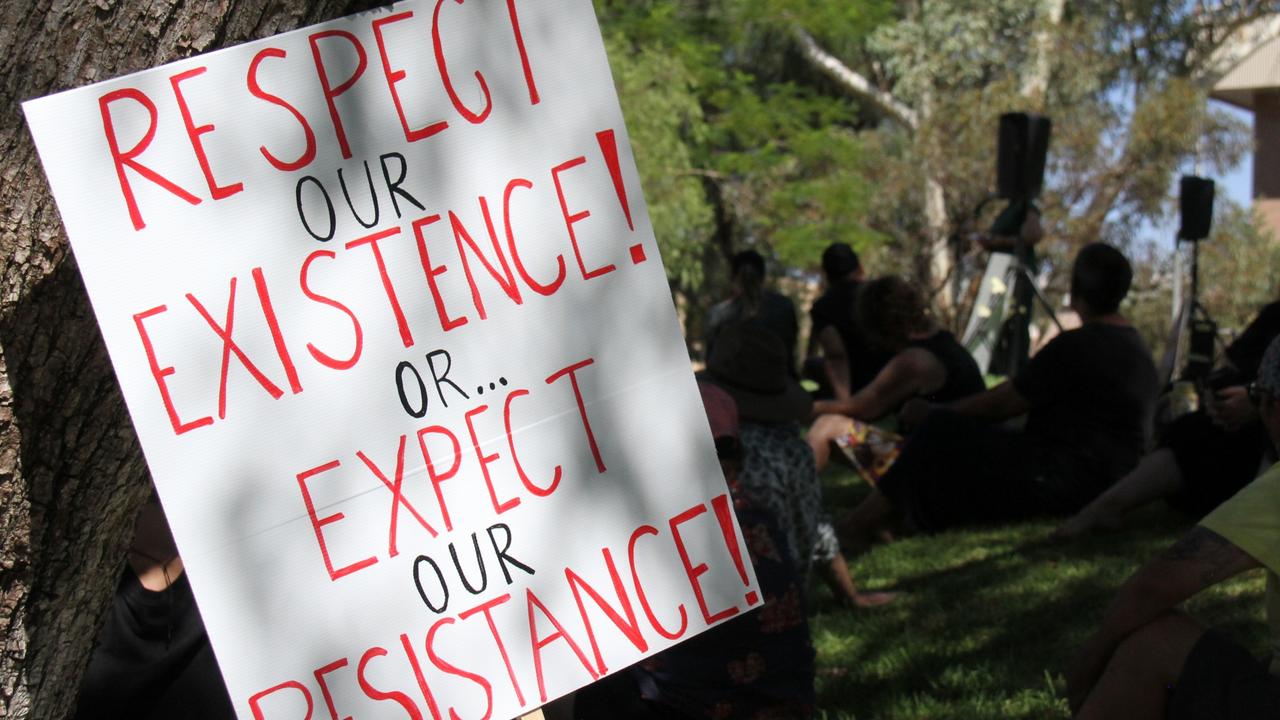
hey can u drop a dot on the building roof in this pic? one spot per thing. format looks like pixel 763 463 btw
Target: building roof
pixel 1256 71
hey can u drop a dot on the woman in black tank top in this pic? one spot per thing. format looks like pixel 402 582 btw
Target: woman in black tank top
pixel 927 363
pixel 963 376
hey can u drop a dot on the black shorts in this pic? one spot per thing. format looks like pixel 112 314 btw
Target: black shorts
pixel 1222 681
pixel 1215 464
pixel 956 471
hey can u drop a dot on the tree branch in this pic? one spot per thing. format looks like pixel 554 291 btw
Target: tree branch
pixel 852 81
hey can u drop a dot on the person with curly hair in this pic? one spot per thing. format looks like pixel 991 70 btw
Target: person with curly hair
pixel 927 362
pixel 1088 398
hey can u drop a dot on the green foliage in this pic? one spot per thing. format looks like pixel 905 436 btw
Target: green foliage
pixel 665 123
pixel 954 45
pixel 1237 267
pixel 742 142
pixel 737 147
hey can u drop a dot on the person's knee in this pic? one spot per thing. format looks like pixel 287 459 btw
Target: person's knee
pixel 1157 651
pixel 827 428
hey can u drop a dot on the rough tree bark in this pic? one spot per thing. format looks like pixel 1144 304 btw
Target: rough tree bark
pixel 71 474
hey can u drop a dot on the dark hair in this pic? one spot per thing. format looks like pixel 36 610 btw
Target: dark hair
pixel 890 309
pixel 838 260
pixel 747 258
pixel 1100 277
pixel 748 271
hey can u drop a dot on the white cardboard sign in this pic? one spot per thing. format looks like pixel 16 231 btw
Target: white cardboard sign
pixel 388 313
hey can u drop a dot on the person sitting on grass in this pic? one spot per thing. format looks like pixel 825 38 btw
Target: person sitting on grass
pixel 756 665
pixel 752 301
pixel 1088 397
pixel 840 357
pixel 778 471
pixel 1148 660
pixel 926 362
pixel 1205 456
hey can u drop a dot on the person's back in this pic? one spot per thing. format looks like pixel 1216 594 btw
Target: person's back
pixel 962 373
pixel 1087 395
pixel 751 301
pixel 836 309
pixel 1092 392
pixel 152 659
pixel 927 363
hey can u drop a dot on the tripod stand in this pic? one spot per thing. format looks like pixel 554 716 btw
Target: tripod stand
pixel 998 333
pixel 1203 340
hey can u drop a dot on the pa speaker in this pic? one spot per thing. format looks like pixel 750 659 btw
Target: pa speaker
pixel 1195 201
pixel 1020 157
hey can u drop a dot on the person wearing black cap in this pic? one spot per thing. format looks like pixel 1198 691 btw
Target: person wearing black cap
pixel 840 357
pixel 778 470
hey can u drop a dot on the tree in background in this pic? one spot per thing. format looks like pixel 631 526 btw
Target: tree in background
pixel 1238 268
pixel 739 143
pixel 875 122
pixel 1125 84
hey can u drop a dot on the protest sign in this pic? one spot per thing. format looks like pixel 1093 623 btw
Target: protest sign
pixel 388 314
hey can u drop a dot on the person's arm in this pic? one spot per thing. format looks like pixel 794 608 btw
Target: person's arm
pixel 836 361
pixel 1202 558
pixel 1230 408
pixel 907 374
pixel 999 403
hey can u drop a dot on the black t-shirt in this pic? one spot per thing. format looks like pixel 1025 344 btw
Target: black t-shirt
pixel 1092 392
pixel 1246 352
pixel 836 308
pixel 153 660
pixel 963 376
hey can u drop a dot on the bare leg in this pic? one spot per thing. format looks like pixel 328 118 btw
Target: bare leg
pixel 867 523
pixel 1137 680
pixel 1156 476
pixel 824 432
pixel 835 573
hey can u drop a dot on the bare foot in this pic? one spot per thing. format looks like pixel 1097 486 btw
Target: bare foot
pixel 874 599
pixel 1082 524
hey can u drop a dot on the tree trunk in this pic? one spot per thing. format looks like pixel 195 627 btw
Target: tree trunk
pixel 71 474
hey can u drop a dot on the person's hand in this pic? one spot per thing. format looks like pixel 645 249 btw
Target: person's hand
pixel 1230 408
pixel 1085 670
pixel 823 407
pixel 914 411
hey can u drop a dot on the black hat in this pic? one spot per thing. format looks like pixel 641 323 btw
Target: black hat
pixel 750 363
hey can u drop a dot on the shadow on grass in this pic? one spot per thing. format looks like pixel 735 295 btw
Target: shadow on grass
pixel 989 617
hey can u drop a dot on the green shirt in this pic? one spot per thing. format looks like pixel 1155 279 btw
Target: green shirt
pixel 1250 520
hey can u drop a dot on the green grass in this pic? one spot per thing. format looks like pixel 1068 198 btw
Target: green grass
pixel 989 617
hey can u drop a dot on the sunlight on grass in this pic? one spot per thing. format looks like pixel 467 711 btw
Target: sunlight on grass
pixel 989 618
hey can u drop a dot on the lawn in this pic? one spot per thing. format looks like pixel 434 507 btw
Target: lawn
pixel 989 617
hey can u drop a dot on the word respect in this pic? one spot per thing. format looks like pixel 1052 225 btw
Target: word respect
pixel 331 51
